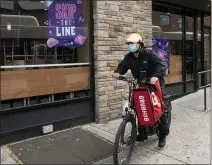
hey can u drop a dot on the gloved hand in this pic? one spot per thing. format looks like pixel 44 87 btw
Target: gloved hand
pixel 153 80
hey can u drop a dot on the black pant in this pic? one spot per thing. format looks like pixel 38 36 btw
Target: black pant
pixel 163 126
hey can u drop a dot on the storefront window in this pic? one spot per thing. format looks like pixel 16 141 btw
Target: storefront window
pixel 164 20
pixel 189 55
pixel 169 37
pixel 44 48
pixel 204 60
pixel 199 48
pixel 207 47
pixel 180 23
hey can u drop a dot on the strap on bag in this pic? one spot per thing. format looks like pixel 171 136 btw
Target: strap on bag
pixel 143 66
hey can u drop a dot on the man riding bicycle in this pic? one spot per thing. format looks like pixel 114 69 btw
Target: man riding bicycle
pixel 140 59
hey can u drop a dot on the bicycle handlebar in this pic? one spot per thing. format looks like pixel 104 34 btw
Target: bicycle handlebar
pixel 123 78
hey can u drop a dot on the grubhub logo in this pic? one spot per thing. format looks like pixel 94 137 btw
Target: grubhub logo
pixel 155 100
pixel 143 108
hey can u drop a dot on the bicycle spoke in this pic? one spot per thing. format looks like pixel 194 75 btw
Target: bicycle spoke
pixel 123 153
pixel 125 141
pixel 124 145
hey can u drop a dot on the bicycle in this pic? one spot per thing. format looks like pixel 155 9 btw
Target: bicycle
pixel 131 117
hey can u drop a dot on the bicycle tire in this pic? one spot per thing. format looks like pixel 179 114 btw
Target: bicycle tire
pixel 128 118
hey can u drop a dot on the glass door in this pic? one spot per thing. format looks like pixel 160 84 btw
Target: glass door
pixel 207 53
pixel 199 49
pixel 190 50
pixel 189 41
pixel 204 48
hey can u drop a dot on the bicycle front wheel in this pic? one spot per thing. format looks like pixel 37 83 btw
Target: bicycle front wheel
pixel 125 140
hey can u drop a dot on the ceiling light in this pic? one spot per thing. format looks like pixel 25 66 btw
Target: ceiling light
pixel 9 27
pixel 208 5
pixel 168 13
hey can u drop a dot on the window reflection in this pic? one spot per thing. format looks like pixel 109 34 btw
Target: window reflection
pixel 164 20
pixel 199 49
pixel 207 46
pixel 189 55
pixel 24 35
pixel 28 29
pixel 173 33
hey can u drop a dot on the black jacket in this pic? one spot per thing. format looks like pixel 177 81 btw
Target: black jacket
pixel 154 65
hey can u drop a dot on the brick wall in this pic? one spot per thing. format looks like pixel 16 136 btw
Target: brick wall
pixel 112 21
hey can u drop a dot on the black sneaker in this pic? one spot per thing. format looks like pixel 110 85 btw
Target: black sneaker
pixel 140 138
pixel 162 141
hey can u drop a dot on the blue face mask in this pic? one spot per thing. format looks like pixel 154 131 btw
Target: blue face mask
pixel 132 48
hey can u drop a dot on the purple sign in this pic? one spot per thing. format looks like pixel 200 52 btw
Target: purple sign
pixel 161 47
pixel 65 23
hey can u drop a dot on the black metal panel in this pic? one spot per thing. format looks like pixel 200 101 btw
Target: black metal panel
pixel 202 49
pixel 44 105
pixel 91 51
pixel 195 50
pixel 175 88
pixel 190 86
pixel 184 47
pixel 45 115
pixel 36 131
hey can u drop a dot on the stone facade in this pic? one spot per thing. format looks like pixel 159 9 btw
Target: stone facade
pixel 113 20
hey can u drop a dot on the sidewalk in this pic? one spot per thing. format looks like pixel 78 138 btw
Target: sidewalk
pixel 188 142
pixel 189 139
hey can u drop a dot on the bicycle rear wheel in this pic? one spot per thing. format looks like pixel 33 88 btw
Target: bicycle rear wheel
pixel 129 141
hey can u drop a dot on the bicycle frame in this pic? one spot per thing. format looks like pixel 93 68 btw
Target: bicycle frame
pixel 131 117
pixel 132 84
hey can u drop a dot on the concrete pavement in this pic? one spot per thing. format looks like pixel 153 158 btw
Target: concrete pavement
pixel 5 157
pixel 188 142
pixel 189 139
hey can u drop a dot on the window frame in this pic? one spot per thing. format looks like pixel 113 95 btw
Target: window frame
pixel 181 22
pixel 169 20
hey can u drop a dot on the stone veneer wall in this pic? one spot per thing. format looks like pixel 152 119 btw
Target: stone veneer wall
pixel 112 21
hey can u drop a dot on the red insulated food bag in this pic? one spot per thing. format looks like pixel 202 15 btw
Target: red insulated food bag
pixel 148 104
